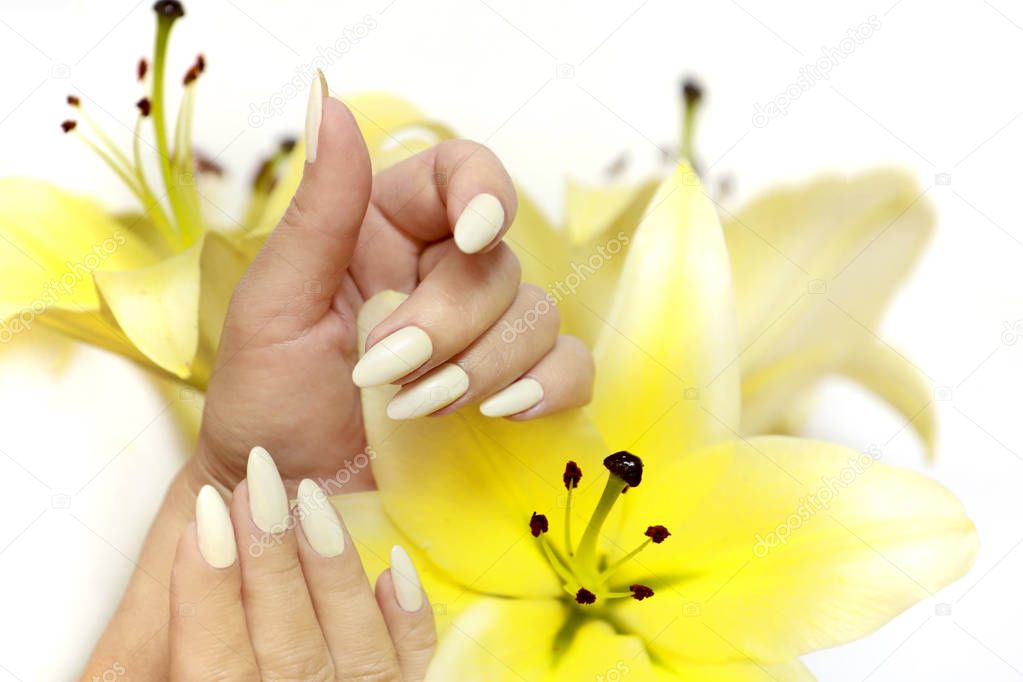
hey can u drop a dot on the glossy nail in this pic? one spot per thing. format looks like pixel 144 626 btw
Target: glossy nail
pixel 441 387
pixel 479 223
pixel 319 521
pixel 408 591
pixel 522 395
pixel 393 357
pixel 268 502
pixel 213 526
pixel 318 91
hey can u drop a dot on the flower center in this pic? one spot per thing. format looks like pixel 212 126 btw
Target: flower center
pixel 174 207
pixel 583 574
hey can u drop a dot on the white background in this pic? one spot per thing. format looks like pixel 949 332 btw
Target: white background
pixel 87 444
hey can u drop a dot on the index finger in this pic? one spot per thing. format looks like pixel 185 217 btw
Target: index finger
pixel 457 187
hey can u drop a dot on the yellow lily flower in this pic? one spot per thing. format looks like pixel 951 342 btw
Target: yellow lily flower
pixel 707 557
pixel 154 285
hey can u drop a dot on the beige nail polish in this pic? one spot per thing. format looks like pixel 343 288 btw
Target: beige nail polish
pixel 213 526
pixel 522 395
pixel 441 387
pixel 319 521
pixel 393 357
pixel 268 502
pixel 481 220
pixel 408 591
pixel 318 91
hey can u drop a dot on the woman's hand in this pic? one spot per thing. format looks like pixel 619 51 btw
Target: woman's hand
pixel 258 592
pixel 430 227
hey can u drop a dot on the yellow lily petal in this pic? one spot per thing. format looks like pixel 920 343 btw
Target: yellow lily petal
pixel 466 481
pixel 593 212
pixel 51 241
pixel 159 307
pixel 374 535
pixel 542 250
pixel 667 381
pixel 883 370
pixel 500 639
pixel 597 652
pixel 682 670
pixel 782 546
pixel 814 268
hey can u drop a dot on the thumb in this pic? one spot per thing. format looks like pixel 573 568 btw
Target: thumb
pixel 301 265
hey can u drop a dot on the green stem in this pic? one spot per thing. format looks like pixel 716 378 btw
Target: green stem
pixel 151 205
pixel 586 553
pixel 568 524
pixel 163 29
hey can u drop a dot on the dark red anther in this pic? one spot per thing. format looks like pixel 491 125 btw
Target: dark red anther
pixel 205 165
pixel 573 474
pixel 68 125
pixel 142 68
pixel 73 100
pixel 537 524
pixel 692 92
pixel 584 596
pixel 200 62
pixel 288 145
pixel 625 466
pixel 144 106
pixel 640 592
pixel 190 75
pixel 657 533
pixel 170 9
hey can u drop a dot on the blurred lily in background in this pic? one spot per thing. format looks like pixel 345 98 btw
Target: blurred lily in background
pixel 814 266
pixel 728 557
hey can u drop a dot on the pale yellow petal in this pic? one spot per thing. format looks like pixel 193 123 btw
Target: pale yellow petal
pixel 158 306
pixel 594 211
pixel 463 486
pixel 815 266
pixel 882 369
pixel 682 670
pixel 782 546
pixel 375 534
pixel 500 639
pixel 666 380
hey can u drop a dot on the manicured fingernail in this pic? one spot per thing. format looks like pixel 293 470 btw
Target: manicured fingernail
pixel 213 526
pixel 319 521
pixel 441 387
pixel 314 114
pixel 479 223
pixel 268 503
pixel 522 395
pixel 407 589
pixel 393 357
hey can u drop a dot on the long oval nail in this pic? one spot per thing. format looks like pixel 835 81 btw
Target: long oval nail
pixel 213 526
pixel 408 591
pixel 268 501
pixel 319 521
pixel 522 395
pixel 480 221
pixel 393 357
pixel 441 387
